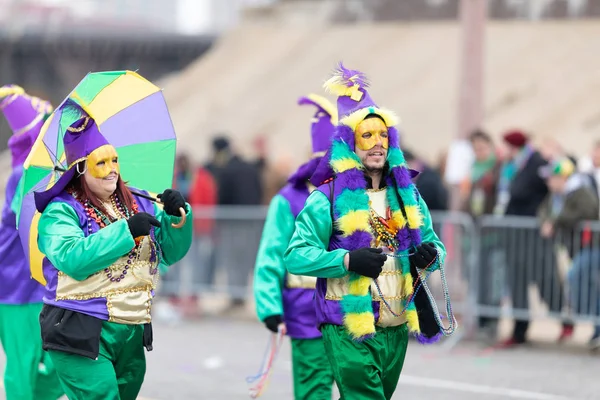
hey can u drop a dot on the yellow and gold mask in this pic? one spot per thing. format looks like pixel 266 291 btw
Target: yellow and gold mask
pixel 370 132
pixel 102 161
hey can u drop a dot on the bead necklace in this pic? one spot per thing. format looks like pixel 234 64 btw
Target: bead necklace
pixel 385 234
pixel 104 219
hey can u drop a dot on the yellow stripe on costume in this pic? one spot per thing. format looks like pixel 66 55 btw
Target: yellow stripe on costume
pixel 354 221
pixel 412 318
pixel 359 286
pixel 415 218
pixel 357 117
pixel 398 221
pixel 407 283
pixel 360 324
pixel 35 255
pixel 345 164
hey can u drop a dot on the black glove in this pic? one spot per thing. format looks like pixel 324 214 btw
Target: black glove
pixel 423 256
pixel 366 262
pixel 272 322
pixel 141 223
pixel 172 201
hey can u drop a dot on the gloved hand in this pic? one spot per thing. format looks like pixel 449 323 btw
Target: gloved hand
pixel 141 223
pixel 272 322
pixel 172 200
pixel 366 262
pixel 423 256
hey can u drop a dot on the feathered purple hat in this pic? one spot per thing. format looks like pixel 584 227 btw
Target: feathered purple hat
pixel 25 115
pixel 80 140
pixel 350 207
pixel 354 102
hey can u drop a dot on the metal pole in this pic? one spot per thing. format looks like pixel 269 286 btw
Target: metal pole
pixel 473 15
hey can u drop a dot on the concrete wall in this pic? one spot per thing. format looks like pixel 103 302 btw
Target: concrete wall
pixel 543 77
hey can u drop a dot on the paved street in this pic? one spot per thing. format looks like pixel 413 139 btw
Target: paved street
pixel 210 359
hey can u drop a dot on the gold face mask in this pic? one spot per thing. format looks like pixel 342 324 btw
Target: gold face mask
pixel 370 132
pixel 102 161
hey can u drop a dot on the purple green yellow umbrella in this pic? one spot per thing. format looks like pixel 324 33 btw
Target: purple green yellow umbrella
pixel 132 115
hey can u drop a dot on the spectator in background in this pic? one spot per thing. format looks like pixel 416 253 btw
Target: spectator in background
pixel 479 189
pixel 520 192
pixel 520 189
pixel 595 172
pixel 239 183
pixel 199 189
pixel 429 183
pixel 478 193
pixel 571 201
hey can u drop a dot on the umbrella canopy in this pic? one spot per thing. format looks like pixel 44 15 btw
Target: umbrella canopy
pixel 131 114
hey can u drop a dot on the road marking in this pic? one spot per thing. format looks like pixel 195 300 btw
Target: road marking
pixel 481 389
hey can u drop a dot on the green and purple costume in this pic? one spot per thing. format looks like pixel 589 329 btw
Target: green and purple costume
pixel 96 318
pixel 365 322
pixel 278 293
pixel 29 373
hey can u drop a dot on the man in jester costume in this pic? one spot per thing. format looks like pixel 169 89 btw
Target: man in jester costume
pixel 103 244
pixel 28 374
pixel 367 236
pixel 282 298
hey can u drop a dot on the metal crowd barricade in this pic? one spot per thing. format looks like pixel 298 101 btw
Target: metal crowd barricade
pixel 223 253
pixel 517 265
pixel 494 265
pixel 457 231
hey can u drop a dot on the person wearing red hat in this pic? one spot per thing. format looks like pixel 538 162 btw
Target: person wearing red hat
pixel 521 191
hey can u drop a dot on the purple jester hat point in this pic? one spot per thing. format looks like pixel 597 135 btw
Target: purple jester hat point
pixel 25 115
pixel 81 139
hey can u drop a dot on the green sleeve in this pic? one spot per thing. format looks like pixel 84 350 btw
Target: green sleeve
pixel 307 252
pixel 62 241
pixel 17 200
pixel 428 234
pixel 269 271
pixel 174 242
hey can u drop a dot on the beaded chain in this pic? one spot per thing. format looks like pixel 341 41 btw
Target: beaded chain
pixel 384 233
pixel 103 220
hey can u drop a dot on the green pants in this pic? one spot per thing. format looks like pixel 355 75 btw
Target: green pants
pixel 313 378
pixel 29 373
pixel 367 370
pixel 118 372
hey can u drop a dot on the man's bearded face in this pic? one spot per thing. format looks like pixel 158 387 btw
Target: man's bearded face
pixel 371 139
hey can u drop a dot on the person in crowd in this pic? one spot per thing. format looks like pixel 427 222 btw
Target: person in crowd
pixel 521 191
pixel 198 187
pixel 478 193
pixel 239 183
pixel 429 183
